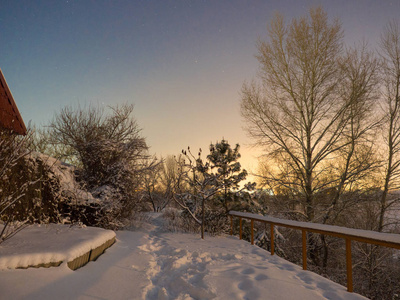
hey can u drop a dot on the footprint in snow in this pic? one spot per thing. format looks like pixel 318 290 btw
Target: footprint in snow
pixel 245 285
pixel 261 277
pixel 248 271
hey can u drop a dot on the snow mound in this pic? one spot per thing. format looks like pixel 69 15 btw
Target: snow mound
pixel 50 244
pixel 65 173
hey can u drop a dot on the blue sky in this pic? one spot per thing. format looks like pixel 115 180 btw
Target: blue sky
pixel 182 63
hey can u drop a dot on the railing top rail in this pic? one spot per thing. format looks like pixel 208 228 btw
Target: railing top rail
pixel 373 237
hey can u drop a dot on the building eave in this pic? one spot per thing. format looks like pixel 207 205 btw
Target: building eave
pixel 10 118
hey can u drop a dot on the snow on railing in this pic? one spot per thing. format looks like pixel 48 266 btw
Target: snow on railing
pixel 371 237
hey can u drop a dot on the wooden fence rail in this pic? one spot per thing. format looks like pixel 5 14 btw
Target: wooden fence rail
pixel 371 237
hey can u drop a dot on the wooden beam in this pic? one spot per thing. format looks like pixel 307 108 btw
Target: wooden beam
pixel 349 266
pixel 272 240
pixel 240 228
pixel 252 231
pixel 304 239
pixel 231 224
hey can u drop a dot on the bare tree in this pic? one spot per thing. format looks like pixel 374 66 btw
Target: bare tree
pixel 150 182
pixel 13 150
pixel 295 113
pixel 169 176
pixel 158 183
pixel 197 175
pixel 110 151
pixel 42 143
pixel 312 113
pixel 390 51
pixel 356 160
pixel 310 106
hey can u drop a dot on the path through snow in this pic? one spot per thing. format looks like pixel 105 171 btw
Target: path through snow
pixel 152 264
pixel 182 266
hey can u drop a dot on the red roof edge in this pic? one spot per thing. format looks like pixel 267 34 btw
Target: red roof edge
pixel 10 118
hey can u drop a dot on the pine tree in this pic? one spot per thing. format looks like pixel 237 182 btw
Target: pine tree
pixel 214 180
pixel 224 160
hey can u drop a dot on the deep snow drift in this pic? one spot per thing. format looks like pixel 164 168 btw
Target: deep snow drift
pixel 151 264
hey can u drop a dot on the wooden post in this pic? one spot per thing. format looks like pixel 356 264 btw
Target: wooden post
pixel 231 224
pixel 304 237
pixel 252 231
pixel 240 227
pixel 272 240
pixel 349 266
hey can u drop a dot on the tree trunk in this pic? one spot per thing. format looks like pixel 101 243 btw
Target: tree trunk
pixel 388 176
pixel 202 218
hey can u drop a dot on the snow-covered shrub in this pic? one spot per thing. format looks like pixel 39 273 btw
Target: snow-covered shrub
pixel 141 220
pixel 34 188
pixel 178 221
pixel 216 221
pixel 110 154
pixel 52 193
pixel 41 200
pixel 48 193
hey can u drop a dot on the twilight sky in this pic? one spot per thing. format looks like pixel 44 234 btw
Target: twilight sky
pixel 182 63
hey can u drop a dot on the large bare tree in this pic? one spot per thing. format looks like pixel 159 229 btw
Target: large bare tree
pixel 305 109
pixel 390 51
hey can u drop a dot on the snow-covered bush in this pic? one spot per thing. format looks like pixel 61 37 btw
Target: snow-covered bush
pixel 41 199
pixel 34 188
pixel 61 197
pixel 110 155
pixel 51 194
pixel 177 221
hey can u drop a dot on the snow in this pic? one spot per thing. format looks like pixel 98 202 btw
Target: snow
pixel 148 263
pixel 65 174
pixel 355 234
pixel 43 244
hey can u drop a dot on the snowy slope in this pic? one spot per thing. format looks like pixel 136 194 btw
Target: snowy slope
pixel 151 264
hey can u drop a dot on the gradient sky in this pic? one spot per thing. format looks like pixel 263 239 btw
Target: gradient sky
pixel 182 63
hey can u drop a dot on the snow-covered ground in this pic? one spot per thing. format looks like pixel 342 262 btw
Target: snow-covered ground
pixel 152 264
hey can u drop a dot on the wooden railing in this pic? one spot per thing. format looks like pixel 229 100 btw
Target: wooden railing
pixel 348 234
